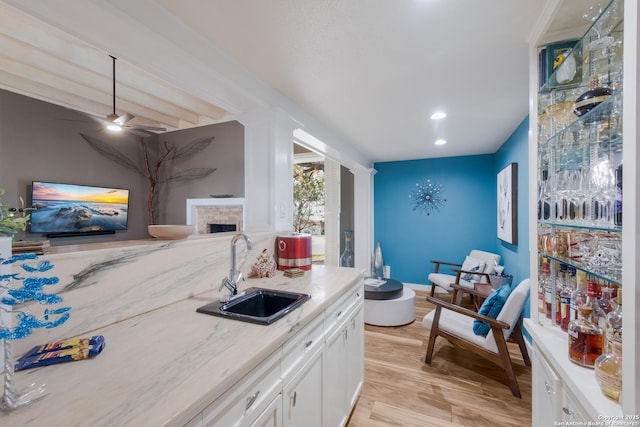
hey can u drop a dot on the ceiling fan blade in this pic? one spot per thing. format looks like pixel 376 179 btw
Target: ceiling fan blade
pixel 151 128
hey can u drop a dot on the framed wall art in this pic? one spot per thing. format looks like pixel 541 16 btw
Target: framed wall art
pixel 507 206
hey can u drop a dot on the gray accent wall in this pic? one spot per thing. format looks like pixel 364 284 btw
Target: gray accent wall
pixel 41 141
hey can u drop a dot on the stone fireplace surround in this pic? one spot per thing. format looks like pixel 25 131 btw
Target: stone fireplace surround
pixel 202 212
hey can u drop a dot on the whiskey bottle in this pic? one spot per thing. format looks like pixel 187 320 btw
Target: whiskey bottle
pixel 565 300
pixel 585 339
pixel 608 372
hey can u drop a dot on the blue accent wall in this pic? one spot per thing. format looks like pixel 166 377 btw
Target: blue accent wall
pixel 410 238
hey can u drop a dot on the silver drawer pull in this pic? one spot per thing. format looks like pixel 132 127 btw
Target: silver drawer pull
pixel 339 313
pixel 294 398
pixel 567 411
pixel 308 343
pixel 251 399
pixel 549 388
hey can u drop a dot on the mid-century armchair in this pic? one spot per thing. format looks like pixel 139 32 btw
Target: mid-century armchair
pixel 465 328
pixel 476 268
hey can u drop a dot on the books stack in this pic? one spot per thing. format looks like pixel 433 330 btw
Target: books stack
pixel 30 246
pixel 294 272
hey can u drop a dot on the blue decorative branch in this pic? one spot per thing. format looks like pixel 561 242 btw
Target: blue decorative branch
pixel 30 288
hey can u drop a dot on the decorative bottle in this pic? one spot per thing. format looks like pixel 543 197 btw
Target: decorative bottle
pixel 613 325
pixel 346 259
pixel 579 296
pixel 608 372
pixel 598 316
pixel 565 300
pixel 585 339
pixel 378 263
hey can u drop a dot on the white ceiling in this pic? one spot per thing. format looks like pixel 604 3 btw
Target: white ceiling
pixel 371 71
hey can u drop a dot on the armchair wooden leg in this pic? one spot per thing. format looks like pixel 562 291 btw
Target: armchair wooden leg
pixel 433 289
pixel 506 362
pixel 516 335
pixel 433 335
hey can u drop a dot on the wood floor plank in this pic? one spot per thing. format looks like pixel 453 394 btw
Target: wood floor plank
pixel 457 389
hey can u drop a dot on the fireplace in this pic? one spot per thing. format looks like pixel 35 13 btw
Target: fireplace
pixel 216 215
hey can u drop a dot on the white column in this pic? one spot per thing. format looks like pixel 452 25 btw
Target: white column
pixel 268 169
pixel 331 212
pixel 363 216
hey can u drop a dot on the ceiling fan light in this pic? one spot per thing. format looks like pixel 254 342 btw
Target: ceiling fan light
pixel 114 127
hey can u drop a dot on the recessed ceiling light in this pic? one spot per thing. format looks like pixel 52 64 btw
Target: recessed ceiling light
pixel 440 142
pixel 438 115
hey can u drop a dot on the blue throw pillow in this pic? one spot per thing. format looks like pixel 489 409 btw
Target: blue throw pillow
pixel 491 308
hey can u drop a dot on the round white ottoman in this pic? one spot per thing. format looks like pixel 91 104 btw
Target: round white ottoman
pixel 391 312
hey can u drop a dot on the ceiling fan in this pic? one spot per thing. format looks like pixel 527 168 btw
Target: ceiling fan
pixel 116 122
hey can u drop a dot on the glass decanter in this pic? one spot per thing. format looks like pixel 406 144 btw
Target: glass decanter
pixel 585 338
pixel 608 371
pixel 346 259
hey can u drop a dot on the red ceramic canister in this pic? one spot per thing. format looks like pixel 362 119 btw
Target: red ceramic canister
pixel 294 250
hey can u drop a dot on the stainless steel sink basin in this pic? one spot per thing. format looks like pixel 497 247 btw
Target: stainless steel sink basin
pixel 257 305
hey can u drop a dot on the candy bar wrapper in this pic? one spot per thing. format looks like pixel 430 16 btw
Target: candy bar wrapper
pixel 61 351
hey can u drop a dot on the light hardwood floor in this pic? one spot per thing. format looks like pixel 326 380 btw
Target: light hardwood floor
pixel 457 389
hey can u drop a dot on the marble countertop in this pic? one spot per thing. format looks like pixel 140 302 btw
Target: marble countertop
pixel 165 366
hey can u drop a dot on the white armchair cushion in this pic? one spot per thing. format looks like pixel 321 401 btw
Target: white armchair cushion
pixel 445 280
pixel 455 324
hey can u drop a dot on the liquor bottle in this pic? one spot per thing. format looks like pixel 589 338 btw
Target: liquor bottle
pixel 617 203
pixel 346 259
pixel 606 303
pixel 548 291
pixel 541 285
pixel 565 300
pixel 613 325
pixel 579 296
pixel 560 284
pixel 608 372
pixel 585 338
pixel 598 316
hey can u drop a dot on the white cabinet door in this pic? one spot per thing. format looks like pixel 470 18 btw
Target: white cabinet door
pixel 271 416
pixel 302 398
pixel 344 368
pixel 572 410
pixel 355 357
pixel 545 390
pixel 335 394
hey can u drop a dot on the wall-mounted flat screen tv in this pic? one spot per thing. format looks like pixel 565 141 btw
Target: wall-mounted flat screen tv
pixel 74 210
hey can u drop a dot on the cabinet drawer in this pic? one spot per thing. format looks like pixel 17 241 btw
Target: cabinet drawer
pixel 304 343
pixel 248 398
pixel 340 310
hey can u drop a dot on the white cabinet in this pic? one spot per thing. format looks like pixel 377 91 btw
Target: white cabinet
pixel 545 391
pixel 272 415
pixel 313 380
pixel 302 397
pixel 355 356
pixel 245 403
pixel 344 359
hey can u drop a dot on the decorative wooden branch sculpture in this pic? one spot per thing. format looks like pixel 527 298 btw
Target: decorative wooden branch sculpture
pixel 152 170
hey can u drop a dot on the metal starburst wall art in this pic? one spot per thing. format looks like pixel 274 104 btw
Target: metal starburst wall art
pixel 427 197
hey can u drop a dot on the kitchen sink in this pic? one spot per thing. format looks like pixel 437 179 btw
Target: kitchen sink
pixel 257 305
